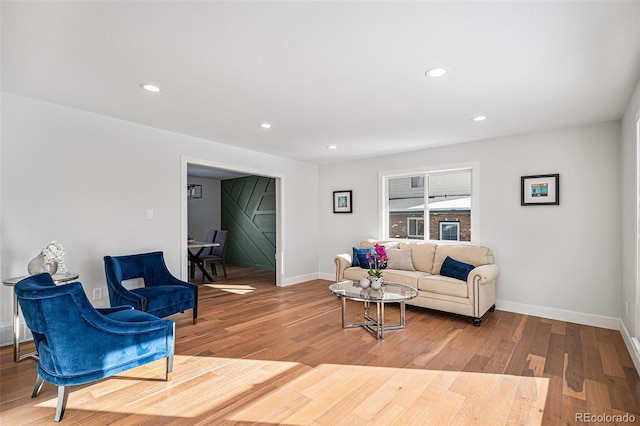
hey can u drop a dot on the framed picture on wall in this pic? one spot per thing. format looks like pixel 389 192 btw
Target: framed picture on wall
pixel 342 202
pixel 540 190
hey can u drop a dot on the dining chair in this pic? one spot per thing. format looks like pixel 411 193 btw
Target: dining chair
pixel 219 253
pixel 161 293
pixel 78 344
pixel 209 237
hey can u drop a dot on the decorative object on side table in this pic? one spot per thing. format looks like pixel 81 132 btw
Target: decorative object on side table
pixel 377 261
pixel 50 260
pixel 38 265
pixel 54 252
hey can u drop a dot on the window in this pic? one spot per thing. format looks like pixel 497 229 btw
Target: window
pixel 450 231
pixel 415 227
pixel 429 205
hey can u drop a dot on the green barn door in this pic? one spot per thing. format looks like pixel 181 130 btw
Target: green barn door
pixel 249 213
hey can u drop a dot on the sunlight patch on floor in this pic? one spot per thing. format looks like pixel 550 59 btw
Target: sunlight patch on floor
pixel 332 394
pixel 237 289
pixel 244 390
pixel 197 385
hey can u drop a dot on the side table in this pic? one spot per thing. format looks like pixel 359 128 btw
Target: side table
pixel 58 279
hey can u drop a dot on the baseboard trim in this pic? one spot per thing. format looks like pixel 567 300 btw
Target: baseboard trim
pixel 300 279
pixel 632 346
pixel 6 334
pixel 560 314
pixel 328 277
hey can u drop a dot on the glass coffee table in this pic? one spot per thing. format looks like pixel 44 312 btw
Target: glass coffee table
pixel 389 293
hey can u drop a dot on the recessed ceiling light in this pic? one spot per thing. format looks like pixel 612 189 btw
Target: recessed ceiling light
pixel 150 87
pixel 265 125
pixel 332 147
pixel 436 72
pixel 479 118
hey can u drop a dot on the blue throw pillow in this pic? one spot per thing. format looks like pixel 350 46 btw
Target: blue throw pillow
pixel 360 253
pixel 455 269
pixel 362 258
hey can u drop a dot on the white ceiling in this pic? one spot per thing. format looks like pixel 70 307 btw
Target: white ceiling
pixel 340 73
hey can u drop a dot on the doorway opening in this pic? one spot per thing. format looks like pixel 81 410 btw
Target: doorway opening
pixel 267 207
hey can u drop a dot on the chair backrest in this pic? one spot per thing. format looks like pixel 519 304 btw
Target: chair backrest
pixel 57 316
pixel 76 343
pixel 222 238
pixel 149 266
pixel 209 237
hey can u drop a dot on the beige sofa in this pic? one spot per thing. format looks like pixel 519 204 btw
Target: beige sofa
pixel 472 298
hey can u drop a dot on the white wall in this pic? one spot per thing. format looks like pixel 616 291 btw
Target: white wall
pixel 557 261
pixel 86 180
pixel 204 213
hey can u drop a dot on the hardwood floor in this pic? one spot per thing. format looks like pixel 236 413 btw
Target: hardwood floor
pixel 280 356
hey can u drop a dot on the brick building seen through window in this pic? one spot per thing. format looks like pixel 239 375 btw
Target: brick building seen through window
pixel 448 210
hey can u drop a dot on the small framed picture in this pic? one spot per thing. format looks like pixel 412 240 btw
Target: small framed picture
pixel 540 190
pixel 342 202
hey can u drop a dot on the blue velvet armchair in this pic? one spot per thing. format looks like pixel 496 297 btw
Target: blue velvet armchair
pixel 162 294
pixel 78 344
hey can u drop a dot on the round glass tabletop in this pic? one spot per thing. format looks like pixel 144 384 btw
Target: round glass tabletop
pixel 390 292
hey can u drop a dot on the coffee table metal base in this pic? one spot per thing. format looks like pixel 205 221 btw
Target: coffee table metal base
pixel 375 325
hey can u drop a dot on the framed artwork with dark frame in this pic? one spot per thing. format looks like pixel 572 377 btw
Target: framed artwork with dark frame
pixel 540 190
pixel 342 202
pixel 194 191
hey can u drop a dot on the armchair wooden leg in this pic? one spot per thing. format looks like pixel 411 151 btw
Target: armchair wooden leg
pixel 38 386
pixel 224 268
pixel 63 395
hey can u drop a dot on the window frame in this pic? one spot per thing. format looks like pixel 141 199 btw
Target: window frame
pixel 383 198
pixel 449 222
pixel 416 219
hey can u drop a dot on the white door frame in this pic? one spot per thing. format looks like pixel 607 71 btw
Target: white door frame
pixel 636 301
pixel 184 218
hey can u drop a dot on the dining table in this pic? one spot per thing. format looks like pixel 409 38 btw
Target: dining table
pixel 195 257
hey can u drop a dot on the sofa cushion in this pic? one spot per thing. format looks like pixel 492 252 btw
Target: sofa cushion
pixel 456 269
pixel 422 254
pixel 409 278
pixel 475 255
pixel 390 275
pixel 439 284
pixel 400 259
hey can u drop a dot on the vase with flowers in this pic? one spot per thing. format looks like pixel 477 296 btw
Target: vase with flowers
pixel 54 252
pixel 377 259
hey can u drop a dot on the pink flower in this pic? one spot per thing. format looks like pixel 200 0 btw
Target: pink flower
pixel 377 260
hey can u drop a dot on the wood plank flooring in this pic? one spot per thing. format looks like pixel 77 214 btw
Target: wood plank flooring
pixel 280 356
